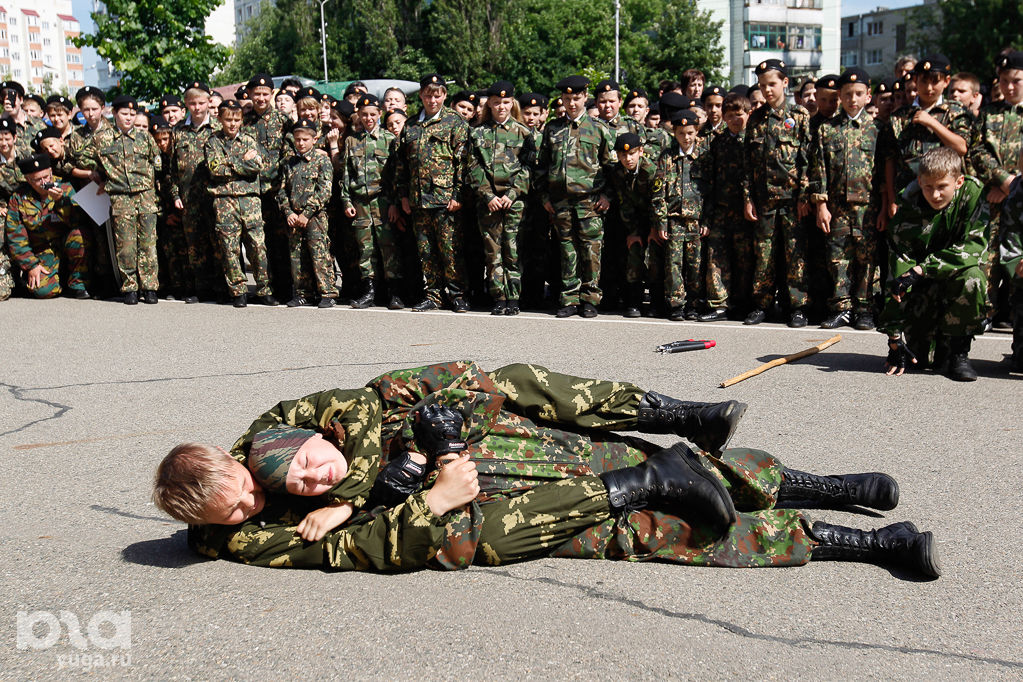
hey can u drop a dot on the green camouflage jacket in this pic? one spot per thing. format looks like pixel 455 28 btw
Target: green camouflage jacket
pixel 906 142
pixel 682 186
pixel 723 168
pixel 27 131
pixel 431 160
pixel 230 174
pixel 35 224
pixel 270 130
pixel 10 177
pixel 367 166
pixel 77 141
pixel 623 123
pixel 1010 250
pixel 632 195
pixel 777 143
pixel 306 182
pixel 572 158
pixel 499 158
pixel 189 163
pixel 844 160
pixel 999 140
pixel 709 131
pixel 657 140
pixel 128 161
pixel 943 243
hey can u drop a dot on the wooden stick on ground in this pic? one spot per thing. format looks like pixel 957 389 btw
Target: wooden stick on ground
pixel 782 361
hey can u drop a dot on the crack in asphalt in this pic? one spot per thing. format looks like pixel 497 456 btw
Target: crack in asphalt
pixel 117 512
pixel 17 392
pixel 749 634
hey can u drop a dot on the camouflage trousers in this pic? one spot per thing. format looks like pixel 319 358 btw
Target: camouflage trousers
pixel 6 276
pixel 63 255
pixel 312 265
pixel 729 260
pixel 990 265
pixel 683 266
pixel 172 251
pixel 580 236
pixel 134 217
pixel 500 231
pixel 439 243
pixel 238 219
pixel 953 307
pixel 778 228
pixel 375 238
pixel 850 249
pixel 202 243
pixel 275 238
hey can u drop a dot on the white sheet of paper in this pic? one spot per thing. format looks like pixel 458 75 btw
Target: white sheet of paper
pixel 96 206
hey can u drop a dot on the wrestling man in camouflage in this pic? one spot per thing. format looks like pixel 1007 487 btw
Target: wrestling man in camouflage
pixel 540 472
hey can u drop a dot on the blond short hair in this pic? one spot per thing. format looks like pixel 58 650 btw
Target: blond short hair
pixel 193 93
pixel 940 162
pixel 307 104
pixel 189 479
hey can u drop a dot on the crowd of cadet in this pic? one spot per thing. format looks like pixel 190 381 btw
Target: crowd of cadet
pixel 703 204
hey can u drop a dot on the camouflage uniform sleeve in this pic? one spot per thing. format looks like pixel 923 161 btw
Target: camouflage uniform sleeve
pixel 341 175
pixel 17 238
pixel 254 166
pixel 476 172
pixel 806 139
pixel 216 160
pixel 973 214
pixel 320 195
pixel 282 192
pixel 527 156
pixel 155 155
pixel 962 124
pixel 817 175
pixel 660 198
pixel 88 157
pixel 1010 250
pixel 460 187
pixel 984 155
pixel 607 157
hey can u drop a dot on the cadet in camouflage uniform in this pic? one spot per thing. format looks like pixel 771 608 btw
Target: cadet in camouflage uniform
pixel 678 204
pixel 937 288
pixel 171 247
pixel 431 165
pixel 777 143
pixel 236 167
pixel 843 164
pixel 125 161
pixel 306 180
pixel 365 176
pixel 570 180
pixel 729 257
pixel 1011 255
pixel 10 173
pixel 540 493
pixel 26 126
pixel 501 151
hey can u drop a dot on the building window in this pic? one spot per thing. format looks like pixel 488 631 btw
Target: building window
pixel 34 54
pixel 14 38
pixel 74 59
pixel 4 52
pixel 766 36
pixel 875 28
pixel 900 37
pixel 852 29
pixel 17 73
pixel 46 26
pixel 874 57
pixel 46 42
pixel 805 38
pixel 14 21
pixel 3 34
pixel 850 59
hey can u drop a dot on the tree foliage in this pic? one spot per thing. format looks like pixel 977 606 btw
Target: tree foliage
pixel 970 32
pixel 156 44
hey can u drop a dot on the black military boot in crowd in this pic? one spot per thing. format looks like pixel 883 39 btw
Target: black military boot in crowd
pixel 708 425
pixel 874 490
pixel 672 481
pixel 633 300
pixel 368 296
pixel 395 302
pixel 900 545
pixel 959 367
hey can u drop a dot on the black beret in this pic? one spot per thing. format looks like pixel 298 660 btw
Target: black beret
pixel 899 85
pixel 740 89
pixel 7 125
pixel 1011 60
pixel 685 117
pixel 533 99
pixel 13 85
pixel 157 123
pixel 673 101
pixel 464 96
pixel 354 87
pixel 638 93
pixel 887 84
pixel 828 82
pixel 90 91
pixel 230 104
pixel 61 100
pixel 854 75
pixel 285 93
pixel 37 99
pixel 712 90
pixel 198 85
pixel 557 102
pixel 45 133
pixel 260 80
pixel 655 110
pixel 606 85
pixel 432 79
pixel 573 85
pixel 124 102
pixel 306 124
pixel 769 65
pixel 501 89
pixel 240 93
pixel 343 107
pixel 368 101
pixel 170 101
pixel 309 92
pixel 395 112
pixel 328 98
pixel 935 63
pixel 627 141
pixel 34 163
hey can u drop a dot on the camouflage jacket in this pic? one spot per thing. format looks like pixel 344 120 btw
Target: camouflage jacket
pixel 572 158
pixel 165 183
pixel 27 131
pixel 230 174
pixel 76 142
pixel 269 130
pixel 623 123
pixel 367 166
pixel 632 195
pixel 723 167
pixel 844 160
pixel 35 224
pixel 710 132
pixel 189 164
pixel 128 161
pixel 65 165
pixel 906 142
pixel 682 186
pixel 431 160
pixel 999 140
pixel 1010 250
pixel 499 158
pixel 10 177
pixel 944 242
pixel 306 182
pixel 657 140
pixel 777 143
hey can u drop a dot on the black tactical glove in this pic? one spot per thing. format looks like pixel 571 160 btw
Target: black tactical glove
pixel 438 430
pixel 400 478
pixel 899 353
pixel 901 284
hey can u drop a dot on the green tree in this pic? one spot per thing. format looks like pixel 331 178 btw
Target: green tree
pixel 157 45
pixel 958 27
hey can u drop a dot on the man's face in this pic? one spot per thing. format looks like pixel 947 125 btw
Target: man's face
pixel 6 143
pixel 37 180
pixel 685 135
pixel 32 108
pixel 317 467
pixel 772 85
pixel 854 97
pixel 231 121
pixel 1010 84
pixel 712 105
pixel 575 103
pixel 261 97
pixel 124 118
pixel 809 98
pixel 608 105
pixel 163 140
pixel 695 88
pixel 533 117
pixel 53 147
pixel 736 120
pixel 304 140
pixel 198 106
pixel 394 100
pixel 827 102
pixel 630 159
pixel 59 116
pixel 939 191
pixel 370 118
pixel 432 99
pixel 240 498
pixel 464 109
pixel 637 108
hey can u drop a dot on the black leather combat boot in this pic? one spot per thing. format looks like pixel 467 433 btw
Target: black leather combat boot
pixel 672 481
pixel 874 490
pixel 708 425
pixel 368 296
pixel 899 544
pixel 959 367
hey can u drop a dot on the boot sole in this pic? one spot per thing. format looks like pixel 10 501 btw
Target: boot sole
pixel 928 561
pixel 733 414
pixel 694 464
